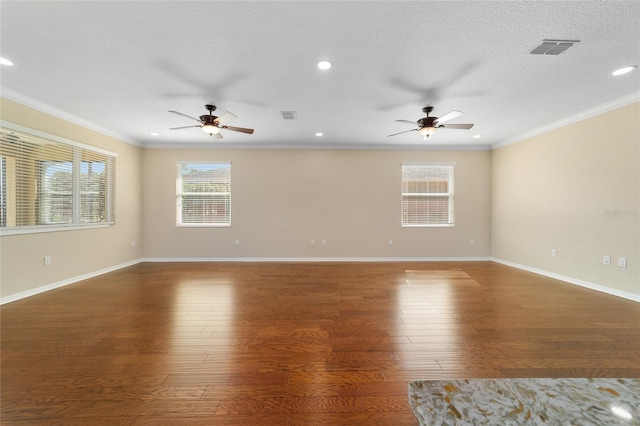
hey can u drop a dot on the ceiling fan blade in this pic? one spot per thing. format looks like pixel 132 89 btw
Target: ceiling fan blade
pixel 399 133
pixel 406 121
pixel 183 127
pixel 449 116
pixel 457 126
pixel 216 136
pixel 185 115
pixel 224 118
pixel 237 129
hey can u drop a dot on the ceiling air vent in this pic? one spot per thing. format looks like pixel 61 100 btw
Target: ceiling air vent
pixel 289 115
pixel 553 47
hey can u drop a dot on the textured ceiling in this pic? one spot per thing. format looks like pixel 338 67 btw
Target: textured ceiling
pixel 121 65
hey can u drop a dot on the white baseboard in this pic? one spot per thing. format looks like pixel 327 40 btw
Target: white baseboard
pixel 52 286
pixel 316 259
pixel 571 280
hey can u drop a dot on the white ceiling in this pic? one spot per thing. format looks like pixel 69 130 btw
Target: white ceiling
pixel 120 65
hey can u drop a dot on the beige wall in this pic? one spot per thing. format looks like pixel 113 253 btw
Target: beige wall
pixel 575 189
pixel 78 252
pixel 281 199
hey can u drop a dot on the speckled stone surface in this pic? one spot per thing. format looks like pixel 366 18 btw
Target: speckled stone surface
pixel 566 401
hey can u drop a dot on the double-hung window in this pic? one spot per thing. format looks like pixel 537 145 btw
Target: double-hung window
pixel 50 183
pixel 427 194
pixel 203 194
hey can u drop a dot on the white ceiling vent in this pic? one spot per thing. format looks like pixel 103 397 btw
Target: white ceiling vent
pixel 289 115
pixel 553 47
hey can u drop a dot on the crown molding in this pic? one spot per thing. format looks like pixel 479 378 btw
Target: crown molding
pixel 316 146
pixel 48 109
pixel 600 109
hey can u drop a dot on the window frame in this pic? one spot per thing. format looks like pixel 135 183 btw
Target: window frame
pixel 79 150
pixel 3 192
pixel 180 194
pixel 450 196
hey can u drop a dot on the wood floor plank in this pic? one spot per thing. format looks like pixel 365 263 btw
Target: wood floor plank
pixel 76 421
pixel 294 343
pixel 396 418
pixel 342 404
pixel 208 420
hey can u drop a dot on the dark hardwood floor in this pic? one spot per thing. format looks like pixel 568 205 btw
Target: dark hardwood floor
pixel 295 343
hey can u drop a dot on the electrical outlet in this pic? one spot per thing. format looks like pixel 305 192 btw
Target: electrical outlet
pixel 390 242
pixel 237 242
pixel 47 260
pixel 606 260
pixel 622 262
pixel 554 252
pixel 313 242
pixel 324 242
pixel 133 243
pixel 472 242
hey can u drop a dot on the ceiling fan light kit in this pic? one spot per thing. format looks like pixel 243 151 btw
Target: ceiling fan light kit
pixel 427 131
pixel 210 129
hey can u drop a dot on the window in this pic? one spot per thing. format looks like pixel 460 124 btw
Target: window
pixel 49 183
pixel 203 194
pixel 427 194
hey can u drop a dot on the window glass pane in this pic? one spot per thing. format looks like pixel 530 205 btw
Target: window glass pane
pixel 425 179
pixel 94 187
pixel 56 192
pixel 201 209
pixel 425 210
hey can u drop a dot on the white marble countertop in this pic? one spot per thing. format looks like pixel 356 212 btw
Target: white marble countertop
pixel 566 401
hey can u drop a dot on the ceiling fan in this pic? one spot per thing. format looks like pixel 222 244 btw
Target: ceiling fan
pixel 427 126
pixel 211 125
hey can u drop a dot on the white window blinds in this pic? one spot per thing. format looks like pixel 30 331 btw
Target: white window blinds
pixel 427 194
pixel 47 181
pixel 203 194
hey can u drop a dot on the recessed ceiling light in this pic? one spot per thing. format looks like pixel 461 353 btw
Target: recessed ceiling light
pixel 4 61
pixel 154 134
pixel 319 134
pixel 624 70
pixel 477 136
pixel 324 65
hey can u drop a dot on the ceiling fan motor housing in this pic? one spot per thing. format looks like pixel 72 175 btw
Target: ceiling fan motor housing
pixel 427 121
pixel 207 119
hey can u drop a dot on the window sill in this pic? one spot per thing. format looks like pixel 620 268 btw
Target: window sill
pixel 438 225
pixel 19 230
pixel 204 225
